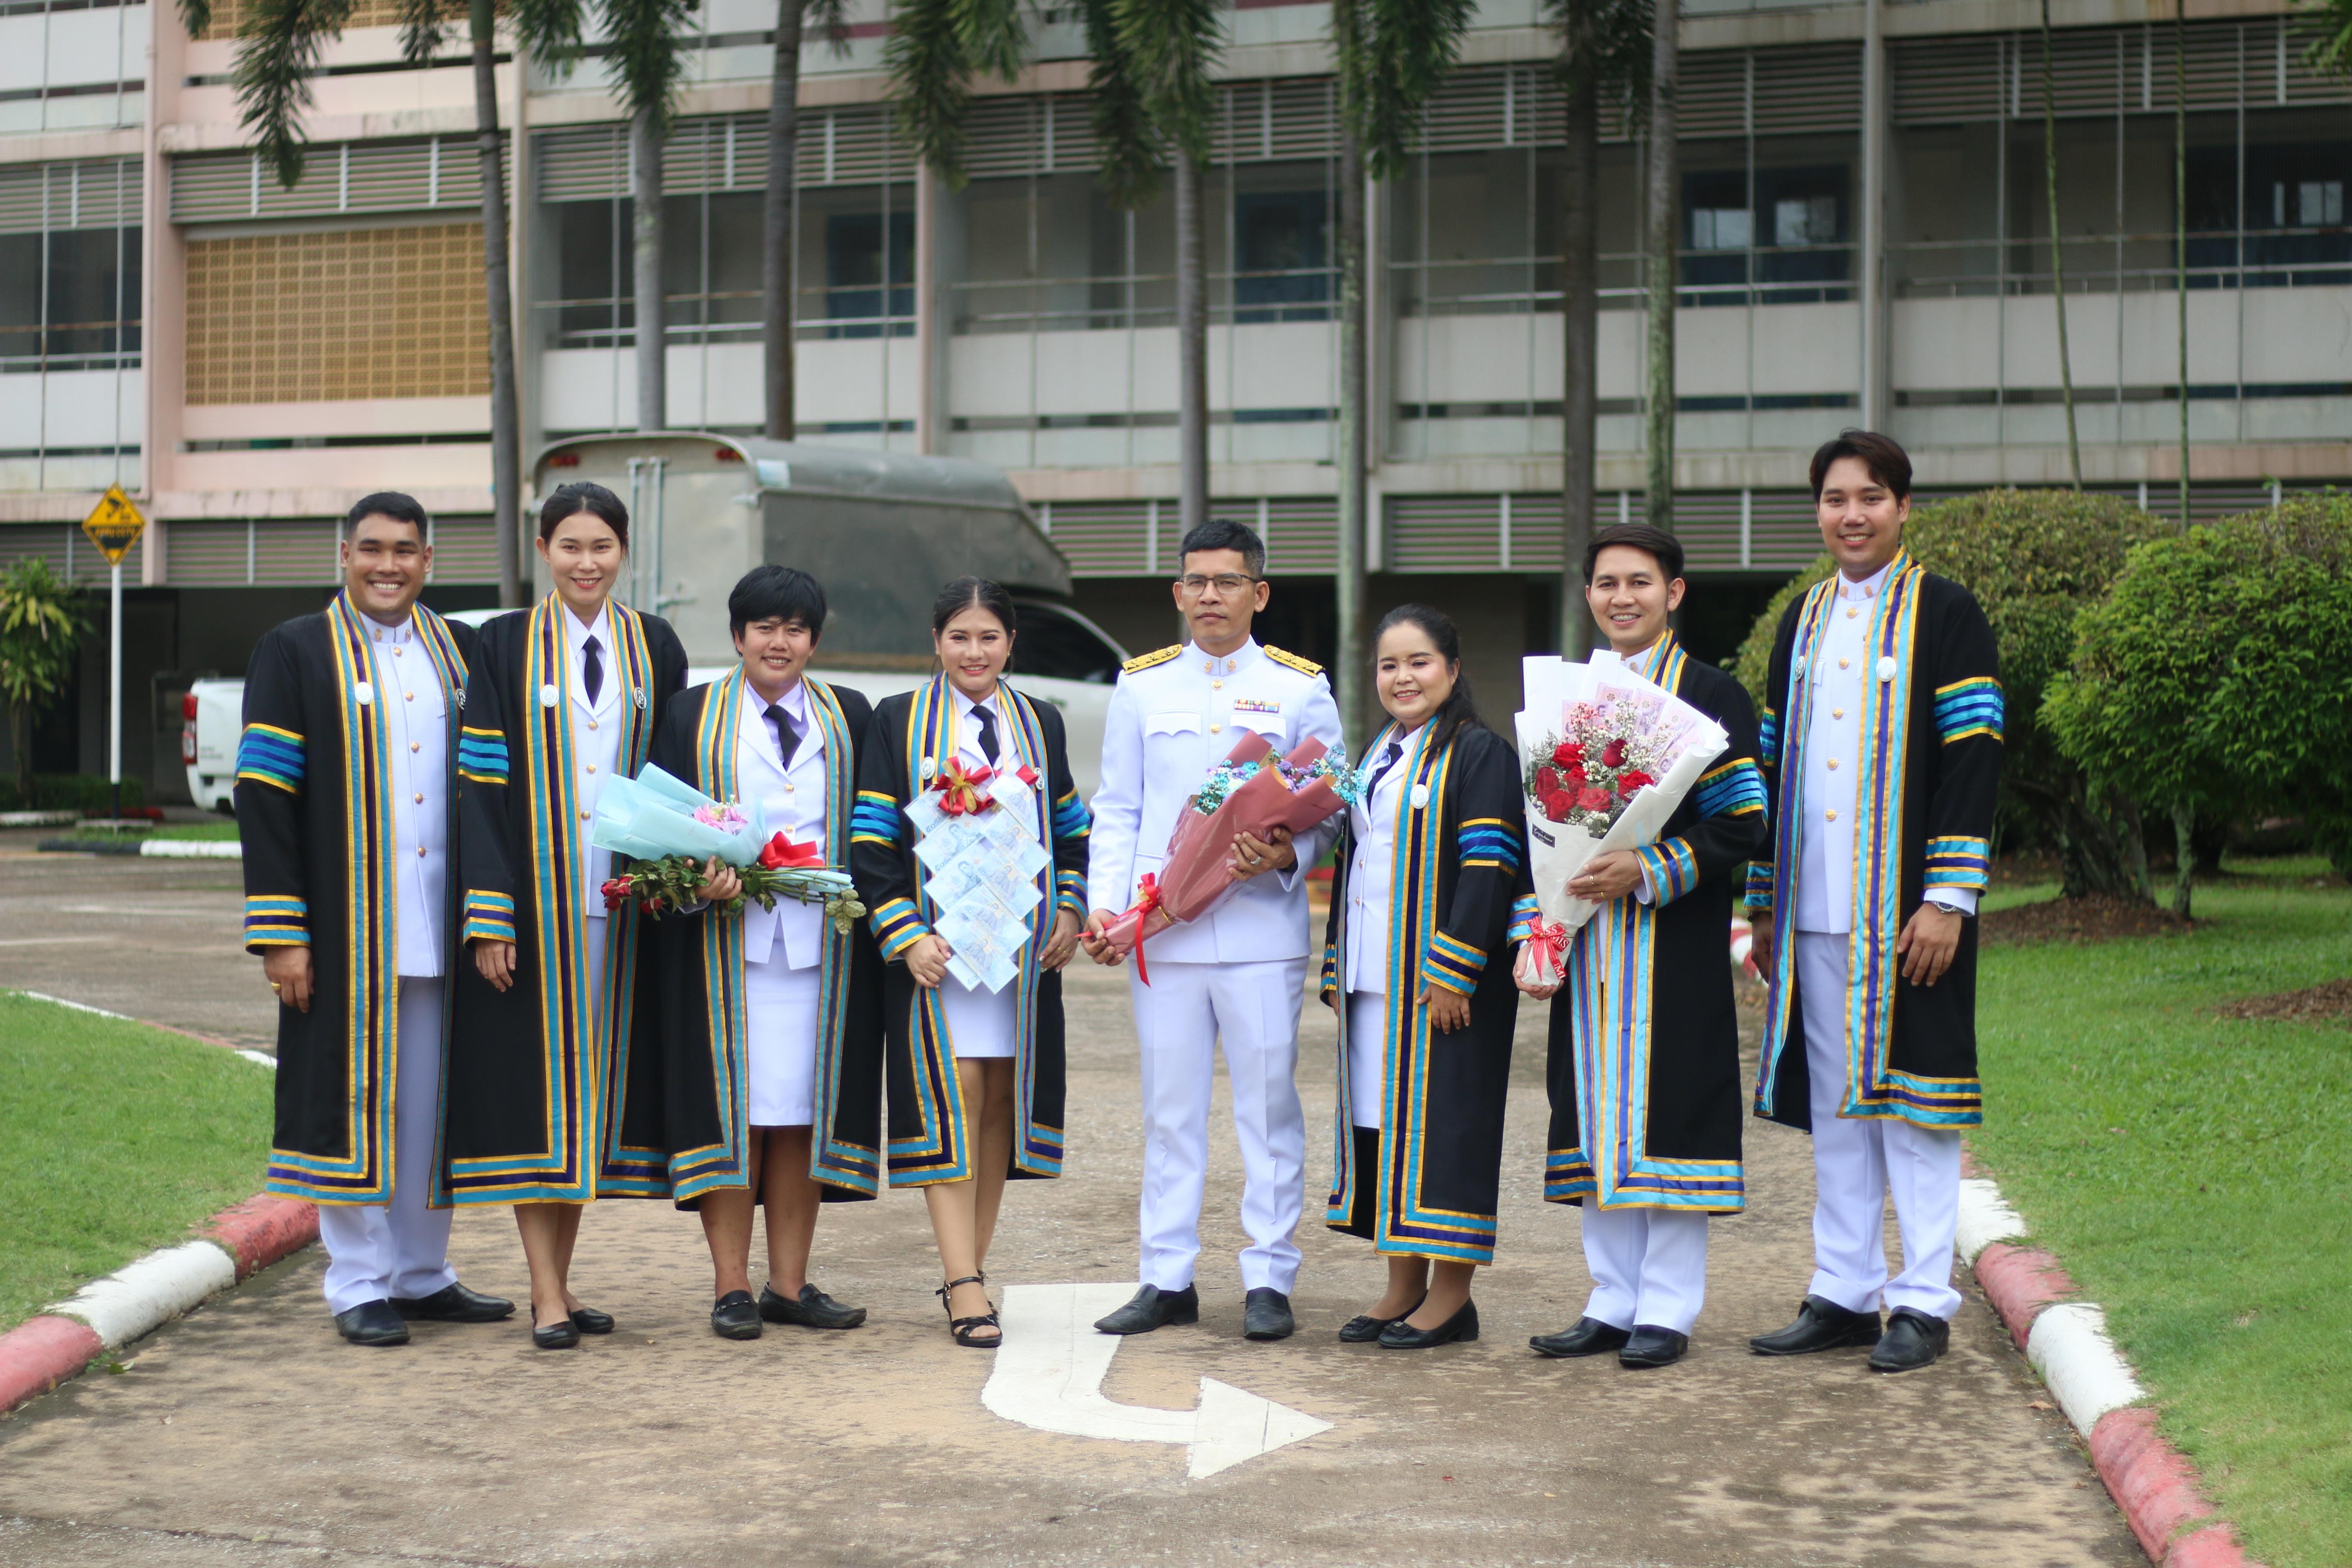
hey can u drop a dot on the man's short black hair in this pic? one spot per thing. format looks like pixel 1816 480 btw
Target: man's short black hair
pixel 776 593
pixel 391 504
pixel 1663 547
pixel 1883 455
pixel 1224 533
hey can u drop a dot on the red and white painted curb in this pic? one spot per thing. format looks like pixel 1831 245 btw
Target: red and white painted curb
pixel 2066 1341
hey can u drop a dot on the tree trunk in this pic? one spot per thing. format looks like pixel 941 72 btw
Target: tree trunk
pixel 2181 221
pixel 1353 444
pixel 1192 349
pixel 2057 249
pixel 2184 839
pixel 776 259
pixel 506 404
pixel 23 742
pixel 1659 254
pixel 1579 337
pixel 645 231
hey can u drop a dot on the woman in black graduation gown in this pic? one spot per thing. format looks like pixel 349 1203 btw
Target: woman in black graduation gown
pixel 1426 869
pixel 560 698
pixel 975 1075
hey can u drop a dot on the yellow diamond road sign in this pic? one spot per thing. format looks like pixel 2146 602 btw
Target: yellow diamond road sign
pixel 114 525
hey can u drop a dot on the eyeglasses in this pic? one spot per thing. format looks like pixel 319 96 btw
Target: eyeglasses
pixel 1227 584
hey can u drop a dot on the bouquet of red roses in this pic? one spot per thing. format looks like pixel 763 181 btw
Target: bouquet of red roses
pixel 671 830
pixel 1253 791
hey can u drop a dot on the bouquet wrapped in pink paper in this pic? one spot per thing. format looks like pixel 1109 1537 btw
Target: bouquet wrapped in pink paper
pixel 1251 790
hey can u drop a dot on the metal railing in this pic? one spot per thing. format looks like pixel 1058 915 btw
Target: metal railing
pixel 2124 263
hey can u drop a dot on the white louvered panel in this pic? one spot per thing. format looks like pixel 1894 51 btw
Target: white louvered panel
pixel 294 552
pixel 1238 129
pixel 1071 141
pixel 1784 535
pixel 207 554
pixel 24 200
pixel 1302 535
pixel 585 163
pixel 854 148
pixel 1300 121
pixel 464 549
pixel 1814 89
pixel 23 540
pixel 1706 522
pixel 1946 80
pixel 1466 115
pixel 1005 136
pixel 1102 539
pixel 1713 98
pixel 89 568
pixel 212 187
pixel 2303 85
pixel 1444 533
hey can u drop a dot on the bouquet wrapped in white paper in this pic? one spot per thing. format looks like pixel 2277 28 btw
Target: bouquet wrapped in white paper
pixel 671 830
pixel 1606 756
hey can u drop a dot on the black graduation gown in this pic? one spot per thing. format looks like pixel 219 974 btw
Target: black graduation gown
pixel 1928 774
pixel 313 813
pixel 699 1076
pixel 1460 849
pixel 911 730
pixel 533 1104
pixel 1644 1035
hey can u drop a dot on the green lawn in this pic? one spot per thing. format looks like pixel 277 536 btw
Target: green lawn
pixel 2195 1176
pixel 210 832
pixel 114 1139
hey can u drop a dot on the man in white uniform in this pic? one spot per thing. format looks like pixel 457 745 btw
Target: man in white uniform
pixel 1238 975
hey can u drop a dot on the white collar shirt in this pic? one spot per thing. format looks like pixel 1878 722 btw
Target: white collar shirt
pixel 968 729
pixel 1841 674
pixel 1372 873
pixel 595 746
pixel 415 716
pixel 792 800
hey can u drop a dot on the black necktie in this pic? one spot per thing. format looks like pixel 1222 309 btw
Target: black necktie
pixel 788 734
pixel 1388 760
pixel 591 671
pixel 987 734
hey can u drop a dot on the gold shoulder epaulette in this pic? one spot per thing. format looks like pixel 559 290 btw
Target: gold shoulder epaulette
pixel 1284 656
pixel 1158 656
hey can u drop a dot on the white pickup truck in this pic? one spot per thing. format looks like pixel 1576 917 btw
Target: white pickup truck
pixel 1076 662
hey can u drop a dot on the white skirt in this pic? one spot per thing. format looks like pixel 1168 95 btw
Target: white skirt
pixel 1367 1020
pixel 780 1007
pixel 980 1023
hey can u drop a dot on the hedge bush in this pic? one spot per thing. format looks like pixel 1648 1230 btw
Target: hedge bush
pixel 2033 559
pixel 2217 674
pixel 70 792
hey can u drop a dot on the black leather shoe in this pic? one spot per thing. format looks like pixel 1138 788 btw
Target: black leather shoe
pixel 1265 1315
pixel 454 1303
pixel 813 1309
pixel 736 1316
pixel 1586 1336
pixel 1649 1346
pixel 1462 1326
pixel 589 1321
pixel 560 1336
pixel 1151 1308
pixel 1365 1329
pixel 1820 1326
pixel 1913 1340
pixel 372 1323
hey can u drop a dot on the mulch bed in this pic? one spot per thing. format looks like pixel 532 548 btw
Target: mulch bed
pixel 2094 919
pixel 2327 1003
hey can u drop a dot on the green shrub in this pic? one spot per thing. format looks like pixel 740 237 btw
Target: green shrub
pixel 2217 673
pixel 70 792
pixel 2033 559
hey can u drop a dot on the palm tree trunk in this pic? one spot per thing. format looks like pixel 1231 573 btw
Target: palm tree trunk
pixel 1355 425
pixel 2057 249
pixel 23 745
pixel 506 404
pixel 1579 337
pixel 2181 221
pixel 1659 253
pixel 777 260
pixel 2184 841
pixel 645 230
pixel 1191 348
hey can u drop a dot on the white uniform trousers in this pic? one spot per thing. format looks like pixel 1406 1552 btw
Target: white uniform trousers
pixel 1179 1018
pixel 1367 1057
pixel 1859 1162
pixel 1648 1266
pixel 375 1252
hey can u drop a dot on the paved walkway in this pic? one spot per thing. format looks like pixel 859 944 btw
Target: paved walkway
pixel 247 1434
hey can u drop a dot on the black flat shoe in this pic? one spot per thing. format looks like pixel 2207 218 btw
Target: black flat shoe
pixel 1821 1325
pixel 1586 1336
pixel 736 1316
pixel 1265 1315
pixel 454 1303
pixel 1650 1346
pixel 589 1321
pixel 372 1323
pixel 1462 1327
pixel 1913 1340
pixel 811 1308
pixel 1363 1329
pixel 1151 1308
pixel 561 1336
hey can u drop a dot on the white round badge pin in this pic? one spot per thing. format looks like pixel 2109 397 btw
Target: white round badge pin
pixel 1419 796
pixel 1886 669
pixel 549 697
pixel 363 693
pixel 930 768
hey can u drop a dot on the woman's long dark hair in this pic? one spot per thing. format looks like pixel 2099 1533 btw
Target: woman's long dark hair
pixel 967 592
pixel 1459 711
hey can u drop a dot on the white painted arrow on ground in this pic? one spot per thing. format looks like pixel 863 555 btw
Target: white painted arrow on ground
pixel 1049 1375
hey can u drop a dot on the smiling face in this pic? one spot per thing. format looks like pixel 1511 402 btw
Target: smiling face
pixel 384 564
pixel 1630 598
pixel 1861 520
pixel 973 647
pixel 586 557
pixel 774 651
pixel 1414 679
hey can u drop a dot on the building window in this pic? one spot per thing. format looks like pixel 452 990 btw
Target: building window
pixel 69 267
pixel 1281 256
pixel 1801 215
pixel 867 291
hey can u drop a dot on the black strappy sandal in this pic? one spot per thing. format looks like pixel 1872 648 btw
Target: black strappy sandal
pixel 963 1327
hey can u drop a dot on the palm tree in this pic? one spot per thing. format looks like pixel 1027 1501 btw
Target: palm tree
pixel 1659 257
pixel 776 259
pixel 1392 56
pixel 2057 249
pixel 41 626
pixel 647 63
pixel 1604 53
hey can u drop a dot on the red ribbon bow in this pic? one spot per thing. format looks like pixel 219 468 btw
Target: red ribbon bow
pixel 1147 899
pixel 959 791
pixel 781 854
pixel 1549 943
